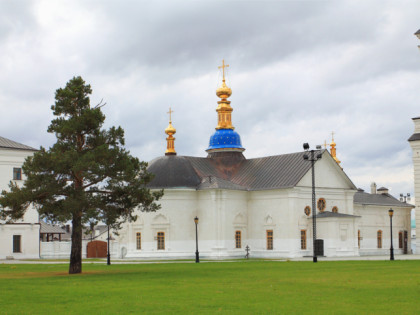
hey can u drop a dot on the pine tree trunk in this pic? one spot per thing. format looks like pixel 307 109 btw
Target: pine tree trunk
pixel 76 245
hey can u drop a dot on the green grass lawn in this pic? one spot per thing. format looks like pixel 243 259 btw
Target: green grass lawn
pixel 253 287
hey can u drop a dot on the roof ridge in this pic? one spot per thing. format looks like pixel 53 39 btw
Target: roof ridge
pixel 10 144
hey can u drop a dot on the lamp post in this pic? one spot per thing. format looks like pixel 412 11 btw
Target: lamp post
pixel 197 255
pixel 391 213
pixel 312 159
pixel 108 256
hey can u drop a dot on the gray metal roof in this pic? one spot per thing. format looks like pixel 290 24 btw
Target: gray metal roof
pixel 211 182
pixel 272 172
pixel 379 199
pixel 10 144
pixel 414 137
pixel 173 171
pixel 329 214
pixel 50 229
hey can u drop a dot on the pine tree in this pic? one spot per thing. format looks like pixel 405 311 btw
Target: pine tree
pixel 86 175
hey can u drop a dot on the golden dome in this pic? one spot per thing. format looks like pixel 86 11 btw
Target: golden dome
pixel 170 129
pixel 224 91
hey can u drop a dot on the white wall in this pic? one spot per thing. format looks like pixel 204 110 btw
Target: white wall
pixel 62 250
pixel 28 227
pixel 377 218
pixel 29 240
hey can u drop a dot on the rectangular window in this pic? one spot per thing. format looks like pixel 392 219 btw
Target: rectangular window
pixel 358 238
pixel 400 240
pixel 16 243
pixel 269 239
pixel 302 239
pixel 379 239
pixel 17 173
pixel 161 240
pixel 238 239
pixel 138 240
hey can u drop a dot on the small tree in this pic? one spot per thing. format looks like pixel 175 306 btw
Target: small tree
pixel 86 175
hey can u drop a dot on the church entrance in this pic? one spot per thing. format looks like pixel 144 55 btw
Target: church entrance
pixel 405 242
pixel 96 249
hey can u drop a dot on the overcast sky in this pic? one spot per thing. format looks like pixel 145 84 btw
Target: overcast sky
pixel 298 70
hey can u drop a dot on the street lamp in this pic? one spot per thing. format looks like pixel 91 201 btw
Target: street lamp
pixel 405 198
pixel 312 159
pixel 108 256
pixel 391 213
pixel 197 255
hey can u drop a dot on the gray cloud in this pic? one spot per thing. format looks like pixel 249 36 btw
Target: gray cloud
pixel 298 70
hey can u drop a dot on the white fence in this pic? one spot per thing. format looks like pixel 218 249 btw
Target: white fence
pixel 61 250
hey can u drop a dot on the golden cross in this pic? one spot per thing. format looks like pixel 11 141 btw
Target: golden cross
pixel 332 135
pixel 170 114
pixel 325 144
pixel 223 66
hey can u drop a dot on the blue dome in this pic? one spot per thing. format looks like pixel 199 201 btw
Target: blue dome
pixel 225 139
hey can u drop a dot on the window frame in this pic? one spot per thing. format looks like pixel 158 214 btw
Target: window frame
pixel 17 173
pixel 400 240
pixel 17 243
pixel 303 243
pixel 379 238
pixel 161 240
pixel 138 240
pixel 238 239
pixel 270 239
pixel 319 202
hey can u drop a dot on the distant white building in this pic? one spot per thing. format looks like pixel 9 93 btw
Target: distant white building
pixel 20 239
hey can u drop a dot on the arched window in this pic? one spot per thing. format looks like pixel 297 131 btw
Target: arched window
pixel 238 239
pixel 334 209
pixel 161 240
pixel 269 239
pixel 307 210
pixel 379 239
pixel 138 240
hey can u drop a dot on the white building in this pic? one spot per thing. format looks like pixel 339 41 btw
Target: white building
pixel 264 203
pixel 414 141
pixel 20 239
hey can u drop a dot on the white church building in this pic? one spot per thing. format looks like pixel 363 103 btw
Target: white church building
pixel 264 203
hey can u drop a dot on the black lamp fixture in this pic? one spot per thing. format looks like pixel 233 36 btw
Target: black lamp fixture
pixel 310 156
pixel 197 255
pixel 391 214
pixel 405 198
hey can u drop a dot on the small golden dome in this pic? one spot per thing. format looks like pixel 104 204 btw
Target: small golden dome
pixel 224 91
pixel 170 129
